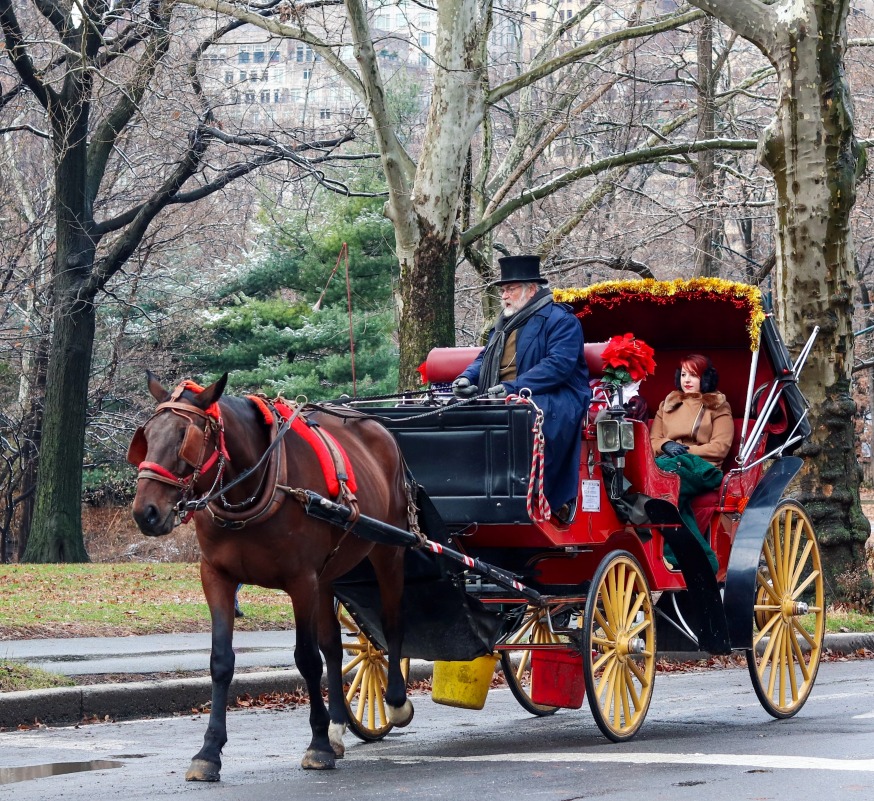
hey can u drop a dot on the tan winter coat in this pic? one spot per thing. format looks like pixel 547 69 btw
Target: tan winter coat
pixel 703 422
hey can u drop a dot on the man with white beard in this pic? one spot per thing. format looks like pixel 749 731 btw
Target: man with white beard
pixel 537 344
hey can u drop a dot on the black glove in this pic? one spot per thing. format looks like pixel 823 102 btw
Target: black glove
pixel 497 391
pixel 462 388
pixel 671 448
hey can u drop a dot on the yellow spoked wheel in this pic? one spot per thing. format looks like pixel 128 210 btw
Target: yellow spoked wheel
pixel 789 613
pixel 365 676
pixel 619 647
pixel 516 662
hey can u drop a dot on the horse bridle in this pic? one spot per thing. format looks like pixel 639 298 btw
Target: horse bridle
pixel 192 451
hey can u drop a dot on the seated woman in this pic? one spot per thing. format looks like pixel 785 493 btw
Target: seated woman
pixel 691 436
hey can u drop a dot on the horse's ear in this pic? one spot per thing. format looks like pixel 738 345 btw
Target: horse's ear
pixel 157 391
pixel 209 396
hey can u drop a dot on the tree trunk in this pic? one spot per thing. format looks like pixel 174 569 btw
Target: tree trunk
pixel 706 227
pixel 811 149
pixel 56 533
pixel 31 432
pixel 428 303
pixel 427 281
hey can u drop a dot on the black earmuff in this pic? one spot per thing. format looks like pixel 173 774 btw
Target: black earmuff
pixel 709 380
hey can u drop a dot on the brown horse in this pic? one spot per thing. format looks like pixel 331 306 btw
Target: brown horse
pixel 256 532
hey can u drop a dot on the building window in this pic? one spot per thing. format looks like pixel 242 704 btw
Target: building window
pixel 534 16
pixel 250 97
pixel 424 39
pixel 274 56
pixel 229 77
pixel 253 75
pixel 242 75
pixel 325 114
pixel 306 74
pixel 265 75
pixel 276 96
pixel 265 95
pixel 296 95
pixel 243 57
pixel 259 56
pixel 304 53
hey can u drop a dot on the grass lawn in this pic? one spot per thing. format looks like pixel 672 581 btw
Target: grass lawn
pixel 93 600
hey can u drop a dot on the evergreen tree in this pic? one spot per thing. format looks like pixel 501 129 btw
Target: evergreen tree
pixel 281 325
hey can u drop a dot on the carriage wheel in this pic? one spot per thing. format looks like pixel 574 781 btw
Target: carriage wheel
pixel 789 613
pixel 365 676
pixel 516 662
pixel 619 647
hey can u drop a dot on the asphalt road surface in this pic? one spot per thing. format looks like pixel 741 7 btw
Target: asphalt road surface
pixel 705 737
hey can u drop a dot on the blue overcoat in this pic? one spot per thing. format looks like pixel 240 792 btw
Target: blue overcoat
pixel 551 363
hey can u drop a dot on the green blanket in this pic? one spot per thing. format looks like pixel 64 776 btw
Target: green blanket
pixel 696 476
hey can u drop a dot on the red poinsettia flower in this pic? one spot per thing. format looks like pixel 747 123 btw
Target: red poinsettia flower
pixel 627 359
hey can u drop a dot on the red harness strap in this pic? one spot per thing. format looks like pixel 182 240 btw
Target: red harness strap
pixel 330 471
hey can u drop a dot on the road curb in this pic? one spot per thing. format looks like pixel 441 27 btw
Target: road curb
pixel 69 705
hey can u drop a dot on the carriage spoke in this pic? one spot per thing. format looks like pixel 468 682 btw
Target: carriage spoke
pixel 763 582
pixel 801 564
pixel 608 629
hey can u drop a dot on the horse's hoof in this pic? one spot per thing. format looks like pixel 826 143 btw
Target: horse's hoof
pixel 335 736
pixel 203 771
pixel 400 716
pixel 317 760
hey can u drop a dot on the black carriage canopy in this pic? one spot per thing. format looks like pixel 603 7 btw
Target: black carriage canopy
pixel 725 320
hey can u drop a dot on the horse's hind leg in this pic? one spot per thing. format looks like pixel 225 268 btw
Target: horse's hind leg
pixel 206 764
pixel 389 566
pixel 331 643
pixel 320 754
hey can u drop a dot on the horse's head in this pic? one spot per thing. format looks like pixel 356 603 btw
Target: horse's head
pixel 181 441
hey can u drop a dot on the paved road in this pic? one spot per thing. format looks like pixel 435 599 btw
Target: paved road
pixel 162 653
pixel 705 737
pixel 154 653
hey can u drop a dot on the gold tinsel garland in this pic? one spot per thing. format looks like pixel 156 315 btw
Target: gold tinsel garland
pixel 741 295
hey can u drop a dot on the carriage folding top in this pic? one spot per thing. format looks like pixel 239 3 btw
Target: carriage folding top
pixel 588 585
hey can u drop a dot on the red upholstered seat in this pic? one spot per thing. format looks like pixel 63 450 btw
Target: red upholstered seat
pixel 444 365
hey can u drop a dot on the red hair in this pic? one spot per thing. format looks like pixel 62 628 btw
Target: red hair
pixel 695 363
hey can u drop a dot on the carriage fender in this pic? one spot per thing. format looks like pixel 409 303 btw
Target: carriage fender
pixel 743 564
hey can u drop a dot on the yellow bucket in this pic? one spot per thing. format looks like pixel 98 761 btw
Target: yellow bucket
pixel 463 684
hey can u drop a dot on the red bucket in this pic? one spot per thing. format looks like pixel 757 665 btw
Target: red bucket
pixel 557 678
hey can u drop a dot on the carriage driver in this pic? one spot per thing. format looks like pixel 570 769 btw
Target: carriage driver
pixel 538 344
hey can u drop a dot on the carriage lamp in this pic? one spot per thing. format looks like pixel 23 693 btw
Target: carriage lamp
pixel 614 435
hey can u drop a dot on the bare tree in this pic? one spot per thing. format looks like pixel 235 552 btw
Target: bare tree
pixel 811 149
pixel 103 83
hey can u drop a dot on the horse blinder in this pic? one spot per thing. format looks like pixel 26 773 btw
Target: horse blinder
pixel 191 451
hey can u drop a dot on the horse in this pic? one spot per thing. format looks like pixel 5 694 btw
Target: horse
pixel 252 528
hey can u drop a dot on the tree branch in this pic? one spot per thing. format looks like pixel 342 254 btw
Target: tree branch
pixel 644 155
pixel 19 56
pixel 548 67
pixel 109 264
pixel 752 19
pixel 107 134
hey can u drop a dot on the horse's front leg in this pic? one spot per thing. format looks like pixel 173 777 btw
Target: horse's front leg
pixel 320 754
pixel 207 764
pixel 390 575
pixel 331 643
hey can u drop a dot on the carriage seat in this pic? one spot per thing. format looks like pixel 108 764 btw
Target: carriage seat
pixel 444 365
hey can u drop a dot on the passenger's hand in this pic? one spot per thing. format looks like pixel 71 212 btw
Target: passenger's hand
pixel 671 448
pixel 462 388
pixel 497 391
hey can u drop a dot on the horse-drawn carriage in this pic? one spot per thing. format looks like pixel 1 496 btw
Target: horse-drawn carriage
pixel 599 597
pixel 574 609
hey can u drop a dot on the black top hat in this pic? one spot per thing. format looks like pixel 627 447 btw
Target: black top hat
pixel 520 270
